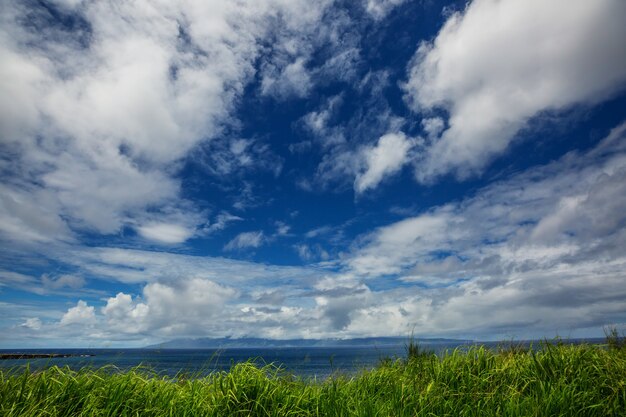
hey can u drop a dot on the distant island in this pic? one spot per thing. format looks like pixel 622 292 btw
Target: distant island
pixel 251 342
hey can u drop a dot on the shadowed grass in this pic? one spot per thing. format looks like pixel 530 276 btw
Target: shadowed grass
pixel 554 380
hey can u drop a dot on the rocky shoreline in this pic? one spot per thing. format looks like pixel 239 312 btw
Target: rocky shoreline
pixel 41 355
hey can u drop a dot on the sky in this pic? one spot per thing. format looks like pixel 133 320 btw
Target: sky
pixel 310 169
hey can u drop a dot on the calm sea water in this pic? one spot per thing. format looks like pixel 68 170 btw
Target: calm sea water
pixel 307 362
pixel 310 362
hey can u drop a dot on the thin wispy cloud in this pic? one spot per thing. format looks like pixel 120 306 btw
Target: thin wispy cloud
pixel 246 240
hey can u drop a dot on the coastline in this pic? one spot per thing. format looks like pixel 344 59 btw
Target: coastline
pixel 6 356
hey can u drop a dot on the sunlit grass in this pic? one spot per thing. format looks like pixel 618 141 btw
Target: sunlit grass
pixel 553 380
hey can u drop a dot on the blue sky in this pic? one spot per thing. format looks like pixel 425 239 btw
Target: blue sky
pixel 298 169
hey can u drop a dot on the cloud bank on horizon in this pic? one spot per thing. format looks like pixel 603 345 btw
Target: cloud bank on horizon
pixel 285 169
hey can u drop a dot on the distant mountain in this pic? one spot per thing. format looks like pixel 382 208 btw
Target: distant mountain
pixel 251 342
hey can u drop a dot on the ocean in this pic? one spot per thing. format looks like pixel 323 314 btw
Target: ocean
pixel 314 362
pixel 306 362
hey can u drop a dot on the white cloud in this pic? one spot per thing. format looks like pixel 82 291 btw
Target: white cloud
pixel 379 9
pixel 311 252
pixel 527 256
pixel 18 280
pixel 125 315
pixel 540 250
pixel 293 79
pixel 499 63
pixel 565 204
pixel 399 245
pixel 98 117
pixel 246 240
pixel 19 82
pixel 226 160
pixel 15 279
pixel 383 160
pixel 282 228
pixel 46 284
pixel 31 214
pixel 246 198
pixel 318 231
pixel 62 281
pixel 433 126
pixel 174 308
pixel 337 167
pixel 133 266
pixel 347 145
pixel 495 264
pixel 82 314
pixel 221 222
pixel 304 252
pixel 96 127
pixel 329 137
pixel 165 233
pixel 343 66
pixel 32 323
pixel 320 34
pixel 195 299
pixel 319 122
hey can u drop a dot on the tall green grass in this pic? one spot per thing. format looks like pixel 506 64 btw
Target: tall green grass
pixel 555 380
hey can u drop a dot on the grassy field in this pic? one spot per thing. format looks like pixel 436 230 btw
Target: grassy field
pixel 554 380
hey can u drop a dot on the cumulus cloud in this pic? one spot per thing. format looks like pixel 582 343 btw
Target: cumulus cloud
pixel 184 295
pixel 174 308
pixel 193 307
pixel 125 315
pixel 497 64
pixel 81 314
pixel 544 245
pixel 383 160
